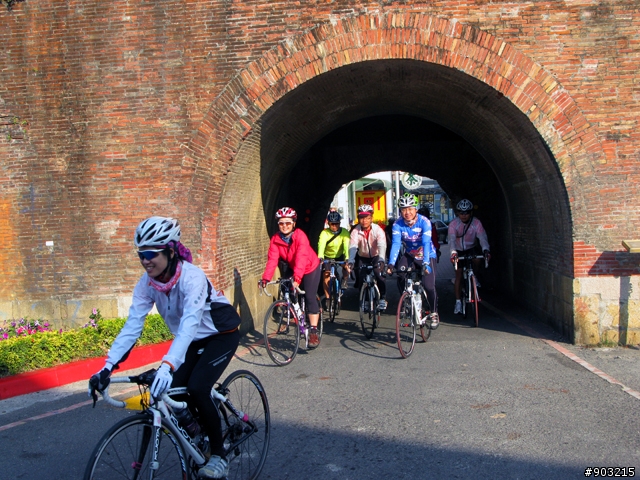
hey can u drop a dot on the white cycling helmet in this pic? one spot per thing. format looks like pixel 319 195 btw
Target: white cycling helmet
pixel 286 212
pixel 157 231
pixel 408 200
pixel 365 209
pixel 464 205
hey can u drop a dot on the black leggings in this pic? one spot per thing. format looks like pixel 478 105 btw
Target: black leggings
pixel 378 264
pixel 310 284
pixel 200 372
pixel 428 280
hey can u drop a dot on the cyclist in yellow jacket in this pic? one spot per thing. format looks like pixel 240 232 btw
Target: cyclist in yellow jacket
pixel 333 244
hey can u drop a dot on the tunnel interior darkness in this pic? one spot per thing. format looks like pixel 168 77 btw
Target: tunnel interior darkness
pixel 430 120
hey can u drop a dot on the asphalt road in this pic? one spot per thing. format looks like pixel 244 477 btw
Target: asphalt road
pixel 488 402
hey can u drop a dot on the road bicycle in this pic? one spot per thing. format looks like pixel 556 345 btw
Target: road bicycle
pixel 469 288
pixel 286 321
pixel 369 300
pixel 153 445
pixel 335 289
pixel 414 312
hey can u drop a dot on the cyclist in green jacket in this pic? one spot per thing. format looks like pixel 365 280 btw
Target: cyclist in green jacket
pixel 333 244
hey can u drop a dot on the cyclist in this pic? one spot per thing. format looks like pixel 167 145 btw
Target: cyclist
pixel 292 247
pixel 204 323
pixel 413 231
pixel 464 232
pixel 368 246
pixel 333 244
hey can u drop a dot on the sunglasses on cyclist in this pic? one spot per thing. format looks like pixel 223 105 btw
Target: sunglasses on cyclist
pixel 335 224
pixel 464 213
pixel 148 254
pixel 285 223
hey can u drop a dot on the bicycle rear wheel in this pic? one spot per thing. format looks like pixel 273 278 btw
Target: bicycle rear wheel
pixel 405 327
pixel 126 451
pixel 474 299
pixel 425 329
pixel 281 333
pixel 368 307
pixel 246 394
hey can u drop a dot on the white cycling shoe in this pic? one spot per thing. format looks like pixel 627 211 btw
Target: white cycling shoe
pixel 216 467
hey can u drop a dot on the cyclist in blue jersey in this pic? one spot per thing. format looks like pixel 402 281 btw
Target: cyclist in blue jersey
pixel 414 232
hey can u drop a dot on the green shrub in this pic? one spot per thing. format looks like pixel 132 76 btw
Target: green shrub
pixel 47 349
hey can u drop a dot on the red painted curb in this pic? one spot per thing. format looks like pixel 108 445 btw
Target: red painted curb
pixel 72 372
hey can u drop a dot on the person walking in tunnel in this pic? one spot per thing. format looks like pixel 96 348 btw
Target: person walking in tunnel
pixel 291 246
pixel 204 323
pixel 465 232
pixel 414 232
pixel 333 244
pixel 368 246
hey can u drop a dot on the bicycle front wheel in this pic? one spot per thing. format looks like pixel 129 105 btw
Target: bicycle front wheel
pixel 425 328
pixel 368 307
pixel 474 299
pixel 246 442
pixel 334 300
pixel 281 333
pixel 405 326
pixel 126 451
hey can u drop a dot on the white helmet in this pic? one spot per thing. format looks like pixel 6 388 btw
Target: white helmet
pixel 464 205
pixel 365 209
pixel 157 231
pixel 408 200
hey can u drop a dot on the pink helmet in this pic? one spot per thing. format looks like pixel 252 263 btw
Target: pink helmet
pixel 365 209
pixel 287 212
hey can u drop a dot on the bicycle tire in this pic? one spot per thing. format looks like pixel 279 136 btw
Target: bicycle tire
pixel 124 452
pixel 246 394
pixel 281 339
pixel 334 303
pixel 474 299
pixel 425 329
pixel 320 325
pixel 405 326
pixel 367 311
pixel 465 298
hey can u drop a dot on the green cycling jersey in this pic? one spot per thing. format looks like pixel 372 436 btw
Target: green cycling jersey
pixel 332 246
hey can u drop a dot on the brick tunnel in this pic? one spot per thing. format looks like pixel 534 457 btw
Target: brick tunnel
pixel 430 120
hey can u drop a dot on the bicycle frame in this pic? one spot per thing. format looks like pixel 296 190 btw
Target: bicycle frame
pixel 159 410
pixel 406 325
pixel 285 290
pixel 470 284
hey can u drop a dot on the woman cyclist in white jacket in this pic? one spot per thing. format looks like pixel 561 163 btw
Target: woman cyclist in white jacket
pixel 202 319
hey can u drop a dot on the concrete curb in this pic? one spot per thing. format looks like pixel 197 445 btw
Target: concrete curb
pixel 75 371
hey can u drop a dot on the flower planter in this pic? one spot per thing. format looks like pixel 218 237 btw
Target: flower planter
pixel 46 378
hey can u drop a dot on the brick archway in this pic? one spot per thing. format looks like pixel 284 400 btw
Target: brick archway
pixel 385 36
pixel 229 136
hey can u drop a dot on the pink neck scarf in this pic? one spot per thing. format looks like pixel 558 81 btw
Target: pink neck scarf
pixel 166 287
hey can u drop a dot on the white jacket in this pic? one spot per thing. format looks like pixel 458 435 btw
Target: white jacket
pixel 186 311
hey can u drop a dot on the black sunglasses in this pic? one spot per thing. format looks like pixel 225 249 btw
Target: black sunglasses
pixel 148 254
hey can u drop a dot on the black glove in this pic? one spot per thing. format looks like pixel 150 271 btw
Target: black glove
pixel 487 255
pixel 98 382
pixel 262 283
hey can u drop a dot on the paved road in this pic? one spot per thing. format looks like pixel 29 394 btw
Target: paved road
pixel 491 402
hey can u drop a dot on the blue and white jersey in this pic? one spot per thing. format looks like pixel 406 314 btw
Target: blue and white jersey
pixel 416 239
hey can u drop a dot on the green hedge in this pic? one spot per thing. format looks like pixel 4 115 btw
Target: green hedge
pixel 47 349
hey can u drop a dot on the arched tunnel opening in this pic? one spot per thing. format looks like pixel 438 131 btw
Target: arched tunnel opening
pixel 426 119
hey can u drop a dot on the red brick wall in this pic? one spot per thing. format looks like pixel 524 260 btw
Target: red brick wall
pixel 112 111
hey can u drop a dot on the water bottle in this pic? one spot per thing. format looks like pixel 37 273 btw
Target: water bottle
pixel 186 421
pixel 298 310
